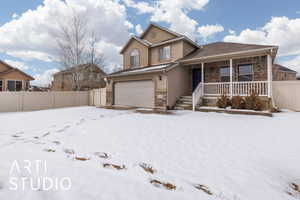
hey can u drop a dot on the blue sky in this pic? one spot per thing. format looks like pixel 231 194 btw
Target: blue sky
pixel 27 42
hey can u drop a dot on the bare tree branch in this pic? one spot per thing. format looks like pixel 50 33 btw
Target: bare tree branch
pixel 77 45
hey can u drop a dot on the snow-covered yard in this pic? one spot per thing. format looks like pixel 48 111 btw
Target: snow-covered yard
pixel 205 155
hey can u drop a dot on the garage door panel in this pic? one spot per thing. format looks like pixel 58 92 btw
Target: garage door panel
pixel 134 93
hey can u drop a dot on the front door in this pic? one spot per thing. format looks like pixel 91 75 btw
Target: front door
pixel 196 77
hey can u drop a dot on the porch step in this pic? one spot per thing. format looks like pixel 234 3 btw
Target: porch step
pixel 184 103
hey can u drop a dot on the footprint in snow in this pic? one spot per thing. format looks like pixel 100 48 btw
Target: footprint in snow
pixel 63 129
pixel 80 122
pixel 165 185
pixel 102 155
pixel 46 134
pixel 56 142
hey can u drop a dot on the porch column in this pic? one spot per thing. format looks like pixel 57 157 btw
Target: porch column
pixel 231 78
pixel 270 75
pixel 202 77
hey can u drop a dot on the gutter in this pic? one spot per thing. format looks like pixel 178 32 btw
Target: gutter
pixel 229 54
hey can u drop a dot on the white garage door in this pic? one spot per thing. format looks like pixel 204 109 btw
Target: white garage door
pixel 134 93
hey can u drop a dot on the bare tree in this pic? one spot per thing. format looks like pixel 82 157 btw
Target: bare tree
pixel 77 46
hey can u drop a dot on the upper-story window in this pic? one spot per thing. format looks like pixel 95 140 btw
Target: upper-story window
pixel 245 72
pixel 135 58
pixel 165 53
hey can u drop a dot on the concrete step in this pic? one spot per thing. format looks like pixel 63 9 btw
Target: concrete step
pixel 186 97
pixel 182 108
pixel 185 101
pixel 184 105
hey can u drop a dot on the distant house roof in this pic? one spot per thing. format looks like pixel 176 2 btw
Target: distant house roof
pixel 285 69
pixel 12 69
pixel 219 48
pixel 81 67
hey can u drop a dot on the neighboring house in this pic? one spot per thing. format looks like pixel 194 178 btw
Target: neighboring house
pixel 281 73
pixel 161 66
pixel 90 77
pixel 13 79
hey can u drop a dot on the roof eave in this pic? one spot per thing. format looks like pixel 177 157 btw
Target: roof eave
pixel 128 42
pixel 231 54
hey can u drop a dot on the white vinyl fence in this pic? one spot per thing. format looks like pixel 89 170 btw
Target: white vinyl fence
pixel 287 94
pixel 98 97
pixel 28 101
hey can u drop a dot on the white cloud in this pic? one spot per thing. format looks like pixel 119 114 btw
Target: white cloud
pixel 298 12
pixel 280 31
pixel 45 78
pixel 15 15
pixel 210 30
pixel 30 36
pixel 138 29
pixel 17 64
pixel 173 12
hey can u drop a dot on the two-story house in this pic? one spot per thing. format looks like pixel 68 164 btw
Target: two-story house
pixel 161 65
pixel 88 76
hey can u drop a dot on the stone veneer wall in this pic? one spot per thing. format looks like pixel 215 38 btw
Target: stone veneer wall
pixel 212 73
pixel 161 99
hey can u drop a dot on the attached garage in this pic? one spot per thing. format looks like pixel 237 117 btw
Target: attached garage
pixel 134 93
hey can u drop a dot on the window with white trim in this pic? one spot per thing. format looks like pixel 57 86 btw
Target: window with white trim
pixel 135 58
pixel 165 53
pixel 245 72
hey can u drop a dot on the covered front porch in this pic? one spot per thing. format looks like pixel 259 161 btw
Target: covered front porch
pixel 233 77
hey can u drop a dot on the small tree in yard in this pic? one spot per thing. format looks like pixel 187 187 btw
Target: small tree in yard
pixel 77 45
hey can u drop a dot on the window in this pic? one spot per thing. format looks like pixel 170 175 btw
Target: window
pixel 245 72
pixel 135 58
pixel 1 85
pixel 225 74
pixel 18 85
pixel 11 85
pixel 165 53
pixel 14 85
pixel 27 85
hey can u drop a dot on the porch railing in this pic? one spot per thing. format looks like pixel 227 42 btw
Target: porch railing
pixel 238 88
pixel 197 94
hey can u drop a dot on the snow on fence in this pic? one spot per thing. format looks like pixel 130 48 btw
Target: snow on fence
pixel 98 97
pixel 28 101
pixel 287 94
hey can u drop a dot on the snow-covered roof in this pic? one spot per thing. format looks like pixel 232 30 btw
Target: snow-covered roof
pixel 144 69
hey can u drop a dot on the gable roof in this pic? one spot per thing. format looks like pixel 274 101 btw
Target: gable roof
pixel 144 42
pixel 12 69
pixel 285 69
pixel 149 44
pixel 161 28
pixel 220 48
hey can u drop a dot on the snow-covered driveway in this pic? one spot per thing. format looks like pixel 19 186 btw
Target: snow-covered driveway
pixel 233 157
